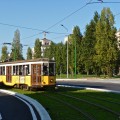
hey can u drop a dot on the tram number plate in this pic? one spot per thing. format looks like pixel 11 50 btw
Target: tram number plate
pixel 22 79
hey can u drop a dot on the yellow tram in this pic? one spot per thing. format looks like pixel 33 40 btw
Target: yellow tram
pixel 28 74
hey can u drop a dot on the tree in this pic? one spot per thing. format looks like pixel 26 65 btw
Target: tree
pixel 4 55
pixel 16 47
pixel 50 52
pixel 75 50
pixel 37 49
pixel 59 58
pixel 29 53
pixel 106 43
pixel 88 45
pixel 58 52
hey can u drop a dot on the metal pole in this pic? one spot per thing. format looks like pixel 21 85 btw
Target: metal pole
pixel 67 47
pixel 67 56
pixel 75 58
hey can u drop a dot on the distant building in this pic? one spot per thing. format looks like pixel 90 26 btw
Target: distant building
pixel 44 44
pixel 118 43
pixel 118 39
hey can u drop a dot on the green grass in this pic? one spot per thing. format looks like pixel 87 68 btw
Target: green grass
pixel 84 76
pixel 77 76
pixel 60 111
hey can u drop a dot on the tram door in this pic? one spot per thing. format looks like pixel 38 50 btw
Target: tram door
pixel 8 74
pixel 36 74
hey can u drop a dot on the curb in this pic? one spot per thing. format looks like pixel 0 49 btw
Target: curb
pixel 40 109
pixel 88 88
pixel 117 81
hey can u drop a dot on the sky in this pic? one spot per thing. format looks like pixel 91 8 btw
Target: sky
pixel 33 17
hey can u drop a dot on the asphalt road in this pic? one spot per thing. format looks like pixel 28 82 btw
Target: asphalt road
pixel 101 84
pixel 12 108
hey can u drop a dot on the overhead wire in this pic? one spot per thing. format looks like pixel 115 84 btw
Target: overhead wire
pixel 61 20
pixel 69 15
pixel 20 26
pixel 88 3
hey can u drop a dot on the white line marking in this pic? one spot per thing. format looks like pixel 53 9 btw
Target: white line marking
pixel 31 109
pixel 0 116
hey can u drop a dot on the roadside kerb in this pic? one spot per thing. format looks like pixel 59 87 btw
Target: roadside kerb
pixel 117 81
pixel 40 109
pixel 88 88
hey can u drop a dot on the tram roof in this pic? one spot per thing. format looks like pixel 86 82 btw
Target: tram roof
pixel 25 61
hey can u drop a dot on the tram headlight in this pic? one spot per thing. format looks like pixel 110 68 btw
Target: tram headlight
pixel 51 80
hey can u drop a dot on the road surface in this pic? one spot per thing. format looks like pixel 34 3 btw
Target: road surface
pixel 12 108
pixel 92 83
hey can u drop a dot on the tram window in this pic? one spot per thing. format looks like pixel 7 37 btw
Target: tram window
pixel 51 69
pixel 2 70
pixel 26 70
pixel 45 69
pixel 20 70
pixel 15 70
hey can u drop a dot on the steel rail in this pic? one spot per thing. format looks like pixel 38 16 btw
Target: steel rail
pixel 98 105
pixel 88 116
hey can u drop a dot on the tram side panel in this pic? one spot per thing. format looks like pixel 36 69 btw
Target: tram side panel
pixel 31 75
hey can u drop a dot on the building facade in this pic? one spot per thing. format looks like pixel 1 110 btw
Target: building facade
pixel 44 44
pixel 118 39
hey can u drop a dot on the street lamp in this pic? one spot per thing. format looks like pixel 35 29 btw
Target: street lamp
pixel 67 47
pixel 67 38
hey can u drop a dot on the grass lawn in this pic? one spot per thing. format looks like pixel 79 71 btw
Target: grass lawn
pixel 61 107
pixel 84 76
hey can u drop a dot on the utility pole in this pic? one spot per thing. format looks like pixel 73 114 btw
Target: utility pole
pixel 75 58
pixel 67 48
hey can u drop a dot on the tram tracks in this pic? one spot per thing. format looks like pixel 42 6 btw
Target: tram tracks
pixel 98 98
pixel 88 116
pixel 97 105
pixel 58 96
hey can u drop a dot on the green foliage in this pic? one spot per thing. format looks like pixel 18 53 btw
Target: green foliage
pixel 50 52
pixel 106 45
pixel 16 53
pixel 88 45
pixel 74 50
pixel 96 51
pixel 29 53
pixel 4 55
pixel 37 49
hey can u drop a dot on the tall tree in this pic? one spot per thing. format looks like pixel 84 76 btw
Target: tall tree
pixel 16 47
pixel 88 45
pixel 4 55
pixel 37 49
pixel 29 53
pixel 75 49
pixel 106 45
pixel 59 58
